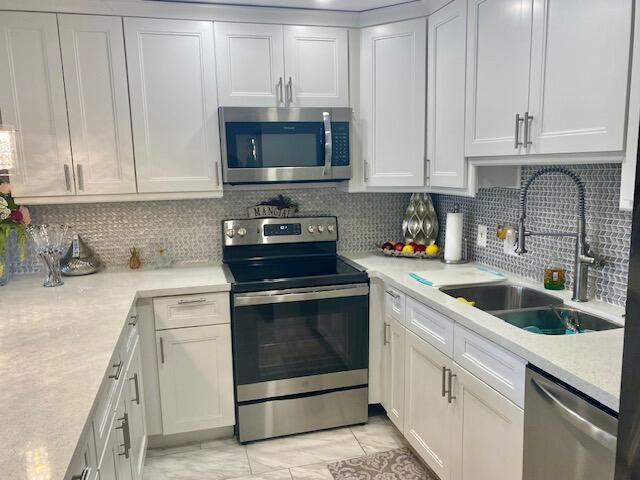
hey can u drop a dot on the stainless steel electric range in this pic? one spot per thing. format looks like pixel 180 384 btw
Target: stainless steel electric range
pixel 300 326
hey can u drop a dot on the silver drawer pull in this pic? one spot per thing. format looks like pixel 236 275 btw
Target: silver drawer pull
pixel 187 302
pixel 133 320
pixel 386 331
pixel 84 475
pixel 134 379
pixel 126 435
pixel 451 397
pixel 118 367
pixel 393 294
pixel 161 350
pixel 444 381
pixel 517 143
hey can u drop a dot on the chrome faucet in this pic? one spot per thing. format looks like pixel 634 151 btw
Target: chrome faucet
pixel 583 255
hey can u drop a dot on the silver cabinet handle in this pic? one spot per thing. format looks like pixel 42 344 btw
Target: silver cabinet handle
pixel 84 475
pixel 583 425
pixel 290 90
pixel 328 143
pixel 80 177
pixel 444 381
pixel 517 143
pixel 161 350
pixel 451 376
pixel 288 296
pixel 124 426
pixel 67 177
pixel 133 320
pixel 134 379
pixel 527 133
pixel 365 168
pixel 279 85
pixel 188 302
pixel 387 327
pixel 393 294
pixel 118 367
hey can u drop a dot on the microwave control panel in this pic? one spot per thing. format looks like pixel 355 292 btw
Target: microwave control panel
pixel 340 137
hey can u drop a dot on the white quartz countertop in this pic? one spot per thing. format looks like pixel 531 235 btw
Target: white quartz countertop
pixel 55 346
pixel 590 362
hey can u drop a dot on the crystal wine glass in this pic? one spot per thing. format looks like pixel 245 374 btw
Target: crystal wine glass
pixel 51 241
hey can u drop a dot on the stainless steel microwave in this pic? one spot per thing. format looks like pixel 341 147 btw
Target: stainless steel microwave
pixel 263 145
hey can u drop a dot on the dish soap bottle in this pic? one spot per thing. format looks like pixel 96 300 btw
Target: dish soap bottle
pixel 554 275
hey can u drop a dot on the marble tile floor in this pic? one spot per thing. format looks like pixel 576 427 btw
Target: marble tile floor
pixel 297 457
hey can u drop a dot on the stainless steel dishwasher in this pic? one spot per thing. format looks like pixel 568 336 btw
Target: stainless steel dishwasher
pixel 566 436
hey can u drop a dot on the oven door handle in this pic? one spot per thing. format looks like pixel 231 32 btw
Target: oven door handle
pixel 265 298
pixel 328 143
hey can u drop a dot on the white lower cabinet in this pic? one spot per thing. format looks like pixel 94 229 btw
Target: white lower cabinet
pixel 196 378
pixel 428 423
pixel 488 431
pixel 134 396
pixel 393 363
pixel 462 426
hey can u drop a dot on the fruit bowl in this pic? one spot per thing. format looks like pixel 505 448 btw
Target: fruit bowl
pixel 396 252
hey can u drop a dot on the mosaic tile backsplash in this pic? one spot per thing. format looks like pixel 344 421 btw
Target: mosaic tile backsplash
pixel 551 206
pixel 190 230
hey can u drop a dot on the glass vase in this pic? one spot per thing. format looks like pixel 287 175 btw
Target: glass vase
pixel 8 259
pixel 50 243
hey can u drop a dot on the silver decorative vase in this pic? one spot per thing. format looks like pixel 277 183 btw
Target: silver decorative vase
pixel 420 223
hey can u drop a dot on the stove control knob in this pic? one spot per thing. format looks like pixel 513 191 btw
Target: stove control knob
pixel 311 229
pixel 320 228
pixel 231 233
pixel 330 228
pixel 242 232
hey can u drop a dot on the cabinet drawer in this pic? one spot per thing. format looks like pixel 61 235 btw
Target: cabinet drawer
pixel 191 310
pixel 105 410
pixel 431 326
pixel 394 303
pixel 492 364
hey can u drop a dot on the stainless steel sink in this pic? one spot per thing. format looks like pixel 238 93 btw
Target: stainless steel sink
pixel 498 298
pixel 530 309
pixel 556 321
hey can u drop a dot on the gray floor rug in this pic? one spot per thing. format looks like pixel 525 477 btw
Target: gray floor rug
pixel 399 464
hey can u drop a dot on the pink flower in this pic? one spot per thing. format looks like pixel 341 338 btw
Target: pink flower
pixel 26 216
pixel 5 188
pixel 16 216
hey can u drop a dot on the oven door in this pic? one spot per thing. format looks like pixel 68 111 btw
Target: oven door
pixel 300 340
pixel 284 144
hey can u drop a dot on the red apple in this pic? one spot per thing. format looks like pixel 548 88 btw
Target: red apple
pixel 388 246
pixel 398 247
pixel 420 248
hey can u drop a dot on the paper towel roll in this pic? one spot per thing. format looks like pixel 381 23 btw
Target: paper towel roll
pixel 453 237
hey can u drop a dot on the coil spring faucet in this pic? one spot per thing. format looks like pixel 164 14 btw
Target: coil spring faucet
pixel 583 255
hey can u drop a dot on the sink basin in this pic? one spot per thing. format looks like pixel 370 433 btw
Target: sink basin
pixel 498 298
pixel 555 321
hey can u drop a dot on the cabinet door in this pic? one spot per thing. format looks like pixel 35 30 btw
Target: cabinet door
pixel 317 66
pixel 428 424
pixel 116 464
pixel 32 99
pixel 393 91
pixel 196 378
pixel 393 371
pixel 134 396
pixel 498 57
pixel 174 109
pixel 250 64
pixel 376 340
pixel 95 75
pixel 579 77
pixel 445 95
pixel 484 419
pixel 83 464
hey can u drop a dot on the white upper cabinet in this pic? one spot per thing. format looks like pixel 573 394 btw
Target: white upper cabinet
pixel 316 63
pixel 547 76
pixel 174 107
pixel 579 75
pixel 498 45
pixel 393 103
pixel 445 95
pixel 32 98
pixel 95 74
pixel 250 64
pixel 263 65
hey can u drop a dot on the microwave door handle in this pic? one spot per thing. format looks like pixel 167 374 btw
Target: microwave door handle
pixel 328 143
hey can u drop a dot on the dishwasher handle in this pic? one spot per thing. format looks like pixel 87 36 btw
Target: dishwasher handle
pixel 583 425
